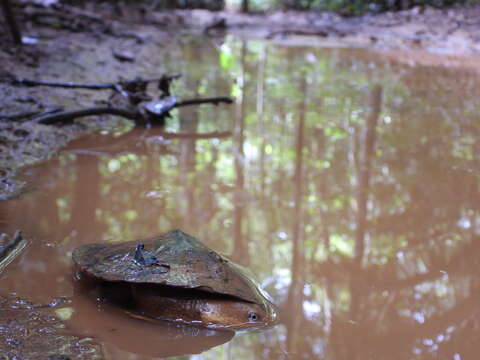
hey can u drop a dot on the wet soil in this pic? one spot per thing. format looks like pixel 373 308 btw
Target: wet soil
pixel 35 331
pixel 425 36
pixel 452 31
pixel 85 57
pixel 39 334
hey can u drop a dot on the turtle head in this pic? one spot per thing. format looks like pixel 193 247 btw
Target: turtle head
pixel 237 315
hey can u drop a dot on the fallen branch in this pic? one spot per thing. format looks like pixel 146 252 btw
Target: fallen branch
pixel 69 116
pixel 209 135
pixel 212 100
pixel 21 115
pixel 139 116
pixel 71 85
pixel 28 114
pixel 139 107
pixel 11 248
pixel 100 86
pixel 321 32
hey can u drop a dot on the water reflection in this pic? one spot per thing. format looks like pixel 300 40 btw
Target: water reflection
pixel 348 185
pixel 115 329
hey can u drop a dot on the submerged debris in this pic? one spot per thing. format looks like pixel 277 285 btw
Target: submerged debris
pixel 10 248
pixel 135 102
pixel 38 334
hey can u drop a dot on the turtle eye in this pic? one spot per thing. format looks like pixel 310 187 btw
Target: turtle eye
pixel 252 317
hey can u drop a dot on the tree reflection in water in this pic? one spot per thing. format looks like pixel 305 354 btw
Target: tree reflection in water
pixel 350 186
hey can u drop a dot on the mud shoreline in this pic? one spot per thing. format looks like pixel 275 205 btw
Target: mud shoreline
pixel 442 32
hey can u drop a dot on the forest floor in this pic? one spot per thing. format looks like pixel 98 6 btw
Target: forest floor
pixel 98 41
pixel 448 32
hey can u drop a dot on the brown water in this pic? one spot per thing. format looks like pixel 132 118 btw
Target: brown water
pixel 349 186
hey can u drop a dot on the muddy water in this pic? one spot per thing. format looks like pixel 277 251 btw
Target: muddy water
pixel 349 185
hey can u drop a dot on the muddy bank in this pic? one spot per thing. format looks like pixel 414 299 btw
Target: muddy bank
pixel 59 55
pixel 453 31
pixel 36 331
pixel 39 334
pixel 425 37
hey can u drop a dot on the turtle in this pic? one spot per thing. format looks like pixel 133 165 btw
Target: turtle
pixel 175 277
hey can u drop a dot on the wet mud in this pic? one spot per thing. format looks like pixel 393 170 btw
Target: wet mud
pixel 39 334
pixel 447 32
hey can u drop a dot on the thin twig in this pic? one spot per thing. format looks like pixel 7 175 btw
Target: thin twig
pixel 31 82
pixel 321 32
pixel 135 116
pixel 22 115
pixel 11 249
pixel 212 100
pixel 27 114
pixel 209 135
pixel 71 115
pixel 100 86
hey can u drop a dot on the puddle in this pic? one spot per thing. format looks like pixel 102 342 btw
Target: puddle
pixel 366 239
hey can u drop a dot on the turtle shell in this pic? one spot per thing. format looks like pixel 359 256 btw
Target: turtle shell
pixel 173 259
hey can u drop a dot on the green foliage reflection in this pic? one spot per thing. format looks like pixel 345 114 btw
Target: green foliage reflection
pixel 362 233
